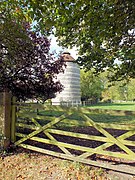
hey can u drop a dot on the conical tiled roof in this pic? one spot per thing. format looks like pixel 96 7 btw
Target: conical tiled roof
pixel 67 57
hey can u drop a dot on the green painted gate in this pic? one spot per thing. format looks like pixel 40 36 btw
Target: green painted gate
pixel 71 133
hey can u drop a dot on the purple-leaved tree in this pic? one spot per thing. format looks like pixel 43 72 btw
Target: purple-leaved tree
pixel 27 69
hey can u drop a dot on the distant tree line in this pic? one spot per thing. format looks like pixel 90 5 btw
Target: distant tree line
pixel 98 88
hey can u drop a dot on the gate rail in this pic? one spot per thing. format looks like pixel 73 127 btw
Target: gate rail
pixel 37 127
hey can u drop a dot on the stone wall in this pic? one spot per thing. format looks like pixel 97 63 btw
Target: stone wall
pixel 5 119
pixel 1 121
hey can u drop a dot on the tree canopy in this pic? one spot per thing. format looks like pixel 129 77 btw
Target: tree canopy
pixel 27 69
pixel 91 87
pixel 103 31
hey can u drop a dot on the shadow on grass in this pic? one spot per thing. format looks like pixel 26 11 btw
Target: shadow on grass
pixel 99 117
pixel 106 118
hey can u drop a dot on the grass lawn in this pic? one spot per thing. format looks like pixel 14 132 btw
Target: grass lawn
pixel 103 117
pixel 128 106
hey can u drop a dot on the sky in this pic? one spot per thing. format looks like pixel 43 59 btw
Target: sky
pixel 54 47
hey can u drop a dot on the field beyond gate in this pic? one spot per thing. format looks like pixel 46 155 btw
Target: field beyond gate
pixel 74 134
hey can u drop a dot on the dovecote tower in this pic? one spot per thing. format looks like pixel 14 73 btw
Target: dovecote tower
pixel 70 79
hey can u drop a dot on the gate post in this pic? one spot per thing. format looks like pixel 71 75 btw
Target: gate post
pixel 5 119
pixel 13 120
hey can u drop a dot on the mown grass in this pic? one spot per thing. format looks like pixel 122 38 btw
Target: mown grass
pixel 128 106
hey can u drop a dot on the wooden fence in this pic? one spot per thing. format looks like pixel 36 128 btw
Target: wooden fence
pixel 71 133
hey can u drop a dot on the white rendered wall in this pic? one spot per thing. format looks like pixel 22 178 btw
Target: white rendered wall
pixel 70 79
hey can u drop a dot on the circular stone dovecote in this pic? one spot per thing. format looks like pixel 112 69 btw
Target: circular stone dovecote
pixel 70 79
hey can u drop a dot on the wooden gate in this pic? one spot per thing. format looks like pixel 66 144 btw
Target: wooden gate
pixel 71 133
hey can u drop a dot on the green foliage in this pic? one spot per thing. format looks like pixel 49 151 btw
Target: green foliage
pixel 131 90
pixel 119 90
pixel 91 86
pixel 103 31
pixel 99 87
